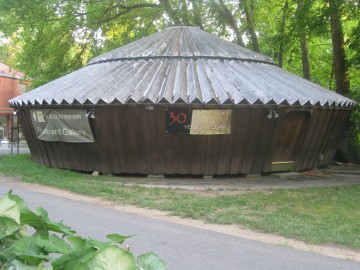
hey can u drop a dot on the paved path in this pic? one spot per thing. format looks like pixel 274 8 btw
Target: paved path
pixel 5 149
pixel 346 174
pixel 182 247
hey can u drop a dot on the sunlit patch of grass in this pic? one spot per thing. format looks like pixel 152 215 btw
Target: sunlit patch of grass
pixel 314 215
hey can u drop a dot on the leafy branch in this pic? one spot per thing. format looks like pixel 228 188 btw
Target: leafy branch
pixel 55 246
pixel 128 9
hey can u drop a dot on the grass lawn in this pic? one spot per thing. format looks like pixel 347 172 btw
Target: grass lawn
pixel 315 215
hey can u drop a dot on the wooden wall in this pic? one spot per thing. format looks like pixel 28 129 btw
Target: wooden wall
pixel 131 139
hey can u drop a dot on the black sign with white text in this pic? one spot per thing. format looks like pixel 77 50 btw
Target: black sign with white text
pixel 178 120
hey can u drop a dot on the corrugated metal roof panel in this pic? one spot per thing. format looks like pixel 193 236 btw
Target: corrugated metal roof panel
pixel 224 74
pixel 181 41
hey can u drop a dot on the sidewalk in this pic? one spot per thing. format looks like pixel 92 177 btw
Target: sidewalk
pixel 332 176
pixel 5 149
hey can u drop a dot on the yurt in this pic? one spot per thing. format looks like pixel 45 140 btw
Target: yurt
pixel 182 101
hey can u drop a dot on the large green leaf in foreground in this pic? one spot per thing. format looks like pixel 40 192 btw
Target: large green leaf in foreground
pixel 17 265
pixel 9 217
pixel 111 258
pixel 150 261
pixel 54 246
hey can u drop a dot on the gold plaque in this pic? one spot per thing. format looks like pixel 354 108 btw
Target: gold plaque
pixel 211 122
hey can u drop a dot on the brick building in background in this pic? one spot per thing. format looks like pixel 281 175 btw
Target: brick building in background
pixel 12 84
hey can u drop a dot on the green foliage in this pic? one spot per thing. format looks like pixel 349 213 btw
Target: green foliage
pixel 54 246
pixel 51 38
pixel 354 129
pixel 10 217
pixel 56 37
pixel 150 261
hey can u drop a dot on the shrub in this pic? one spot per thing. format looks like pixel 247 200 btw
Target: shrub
pixel 55 246
pixel 354 130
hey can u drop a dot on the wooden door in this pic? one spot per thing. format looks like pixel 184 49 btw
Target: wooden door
pixel 291 136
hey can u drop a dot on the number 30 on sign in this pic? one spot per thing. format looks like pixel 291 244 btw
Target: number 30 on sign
pixel 178 120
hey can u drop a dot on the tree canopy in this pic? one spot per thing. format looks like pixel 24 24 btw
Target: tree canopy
pixel 47 39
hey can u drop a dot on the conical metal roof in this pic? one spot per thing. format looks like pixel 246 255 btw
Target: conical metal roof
pixel 181 42
pixel 186 65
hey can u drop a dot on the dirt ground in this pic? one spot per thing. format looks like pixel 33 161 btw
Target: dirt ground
pixel 339 175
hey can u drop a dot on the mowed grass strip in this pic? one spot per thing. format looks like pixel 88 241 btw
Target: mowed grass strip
pixel 315 215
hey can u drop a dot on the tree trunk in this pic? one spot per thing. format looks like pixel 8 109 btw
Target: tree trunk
pixel 170 11
pixel 305 55
pixel 342 81
pixel 185 13
pixel 303 41
pixel 282 34
pixel 197 14
pixel 232 23
pixel 251 28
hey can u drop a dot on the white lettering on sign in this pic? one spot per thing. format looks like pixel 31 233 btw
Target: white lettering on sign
pixel 57 116
pixel 73 132
pixel 38 116
pixel 61 132
pixel 67 125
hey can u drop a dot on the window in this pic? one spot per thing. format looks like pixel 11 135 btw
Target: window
pixel 23 88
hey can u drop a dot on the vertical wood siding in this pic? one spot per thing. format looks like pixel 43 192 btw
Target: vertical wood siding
pixel 131 139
